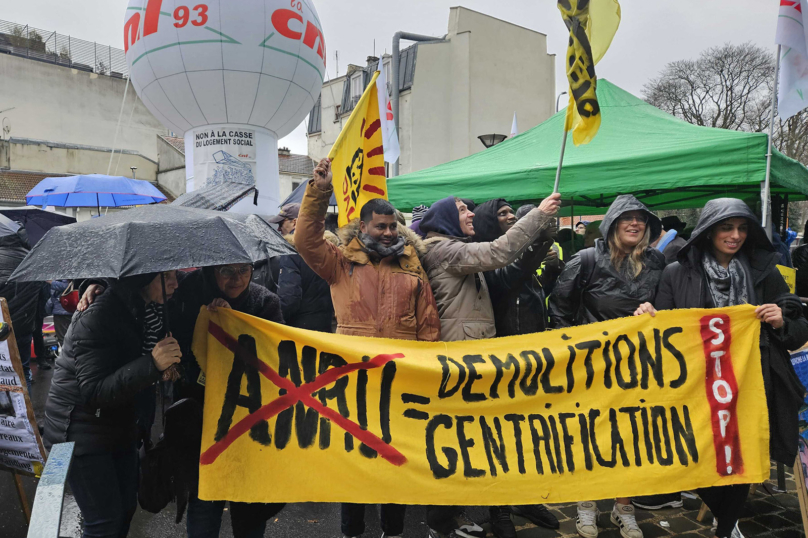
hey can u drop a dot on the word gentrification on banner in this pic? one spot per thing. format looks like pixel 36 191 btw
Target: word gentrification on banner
pixel 632 406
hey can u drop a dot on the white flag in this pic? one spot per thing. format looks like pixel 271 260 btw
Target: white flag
pixel 792 35
pixel 392 150
pixel 514 127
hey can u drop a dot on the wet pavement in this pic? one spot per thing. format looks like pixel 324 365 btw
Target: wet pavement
pixel 768 513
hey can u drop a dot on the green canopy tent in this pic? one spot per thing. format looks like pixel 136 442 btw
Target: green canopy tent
pixel 664 161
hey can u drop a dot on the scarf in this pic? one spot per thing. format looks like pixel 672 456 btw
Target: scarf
pixel 152 327
pixel 374 247
pixel 727 286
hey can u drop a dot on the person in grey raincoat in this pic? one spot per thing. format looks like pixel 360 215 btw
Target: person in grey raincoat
pixel 729 261
pixel 608 281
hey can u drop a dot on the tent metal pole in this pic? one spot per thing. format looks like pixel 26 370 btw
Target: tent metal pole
pixel 560 160
pixel 766 202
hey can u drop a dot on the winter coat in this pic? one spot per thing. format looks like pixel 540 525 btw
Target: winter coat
pixel 673 248
pixel 22 297
pixel 609 293
pixel 516 294
pixel 305 297
pixel 455 266
pixel 800 260
pixel 98 373
pixel 197 289
pixel 54 307
pixel 387 298
pixel 685 286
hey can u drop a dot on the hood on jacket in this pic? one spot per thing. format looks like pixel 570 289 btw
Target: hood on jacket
pixel 328 236
pixel 347 233
pixel 623 204
pixel 721 209
pixel 443 218
pixel 486 222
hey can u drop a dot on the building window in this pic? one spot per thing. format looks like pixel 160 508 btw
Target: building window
pixel 295 185
pixel 356 87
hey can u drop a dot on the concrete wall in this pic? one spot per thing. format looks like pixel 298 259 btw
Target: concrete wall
pixel 61 104
pixel 472 86
pixel 171 168
pixel 320 143
pixel 463 88
pixel 66 159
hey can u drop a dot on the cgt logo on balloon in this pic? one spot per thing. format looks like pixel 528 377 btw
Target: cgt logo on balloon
pixel 722 393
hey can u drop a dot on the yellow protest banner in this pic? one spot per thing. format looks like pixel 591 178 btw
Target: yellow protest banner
pixel 790 276
pixel 358 157
pixel 626 407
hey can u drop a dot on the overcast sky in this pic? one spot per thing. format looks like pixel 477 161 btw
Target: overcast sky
pixel 652 32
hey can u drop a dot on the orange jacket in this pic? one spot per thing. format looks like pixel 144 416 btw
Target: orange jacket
pixel 387 298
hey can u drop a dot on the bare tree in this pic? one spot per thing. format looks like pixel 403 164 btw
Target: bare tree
pixel 728 87
pixel 731 87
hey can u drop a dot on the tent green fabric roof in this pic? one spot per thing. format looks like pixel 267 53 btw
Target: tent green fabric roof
pixel 666 162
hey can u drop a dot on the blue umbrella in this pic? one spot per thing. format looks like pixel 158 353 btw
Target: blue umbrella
pixel 93 190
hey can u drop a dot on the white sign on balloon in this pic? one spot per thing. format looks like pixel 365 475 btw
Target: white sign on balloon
pixel 234 76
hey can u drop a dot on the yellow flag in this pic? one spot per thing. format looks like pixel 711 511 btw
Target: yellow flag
pixel 592 25
pixel 357 158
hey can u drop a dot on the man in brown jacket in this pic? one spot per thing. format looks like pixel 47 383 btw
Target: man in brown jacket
pixel 455 267
pixel 378 288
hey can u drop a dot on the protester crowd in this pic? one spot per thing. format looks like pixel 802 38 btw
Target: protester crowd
pixel 460 272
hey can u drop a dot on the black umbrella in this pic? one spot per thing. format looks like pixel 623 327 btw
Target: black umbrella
pixel 147 239
pixel 297 196
pixel 37 221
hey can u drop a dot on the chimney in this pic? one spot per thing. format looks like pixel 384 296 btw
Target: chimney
pixel 284 151
pixel 372 60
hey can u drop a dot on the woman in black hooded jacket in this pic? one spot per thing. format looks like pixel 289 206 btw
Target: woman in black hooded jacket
pixel 223 286
pixel 609 281
pixel 729 261
pixel 112 351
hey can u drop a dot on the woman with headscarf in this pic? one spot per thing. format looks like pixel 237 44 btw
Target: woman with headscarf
pixel 729 261
pixel 112 351
pixel 609 281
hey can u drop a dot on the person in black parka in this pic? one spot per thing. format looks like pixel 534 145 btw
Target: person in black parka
pixel 517 292
pixel 22 297
pixel 518 297
pixel 113 350
pixel 729 261
pixel 305 297
pixel 223 286
pixel 608 281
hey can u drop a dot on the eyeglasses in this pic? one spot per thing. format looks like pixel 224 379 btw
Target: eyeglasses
pixel 230 271
pixel 643 219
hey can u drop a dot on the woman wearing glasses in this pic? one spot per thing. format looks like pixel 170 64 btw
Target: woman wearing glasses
pixel 729 261
pixel 609 281
pixel 223 286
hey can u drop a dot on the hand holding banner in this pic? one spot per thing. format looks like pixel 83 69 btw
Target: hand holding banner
pixel 632 406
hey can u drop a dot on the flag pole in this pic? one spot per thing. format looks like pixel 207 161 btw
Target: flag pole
pixel 766 202
pixel 560 160
pixel 563 147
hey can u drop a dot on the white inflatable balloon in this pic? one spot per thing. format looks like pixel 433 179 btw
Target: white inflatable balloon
pixel 232 71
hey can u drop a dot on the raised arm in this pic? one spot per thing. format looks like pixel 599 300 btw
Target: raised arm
pixel 465 258
pixel 319 254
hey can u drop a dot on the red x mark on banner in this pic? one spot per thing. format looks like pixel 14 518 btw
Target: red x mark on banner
pixel 296 394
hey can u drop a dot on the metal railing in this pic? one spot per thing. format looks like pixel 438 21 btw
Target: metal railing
pixel 47 46
pixel 46 516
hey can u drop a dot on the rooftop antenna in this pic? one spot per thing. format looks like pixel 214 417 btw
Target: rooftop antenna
pixel 374 47
pixel 337 54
